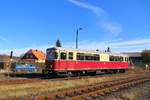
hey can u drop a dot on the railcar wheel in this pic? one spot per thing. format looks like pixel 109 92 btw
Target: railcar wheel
pixel 122 70
pixel 69 74
pixel 35 70
pixel 18 70
pixel 84 72
pixel 43 72
pixel 115 71
pixel 78 73
pixel 92 73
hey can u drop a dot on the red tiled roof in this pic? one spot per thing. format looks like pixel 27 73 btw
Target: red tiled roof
pixel 38 53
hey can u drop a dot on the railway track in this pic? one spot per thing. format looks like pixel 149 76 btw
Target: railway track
pixel 92 90
pixel 23 81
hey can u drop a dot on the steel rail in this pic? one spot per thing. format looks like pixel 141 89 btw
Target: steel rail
pixel 109 89
pixel 23 81
pixel 73 91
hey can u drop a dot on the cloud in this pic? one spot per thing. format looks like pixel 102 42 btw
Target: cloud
pixel 18 52
pixel 116 46
pixel 132 42
pixel 116 40
pixel 94 9
pixel 112 27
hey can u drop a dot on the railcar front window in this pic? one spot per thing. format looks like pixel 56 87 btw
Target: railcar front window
pixel 51 55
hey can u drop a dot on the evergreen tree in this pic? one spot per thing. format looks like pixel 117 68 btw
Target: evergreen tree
pixel 58 43
pixel 146 56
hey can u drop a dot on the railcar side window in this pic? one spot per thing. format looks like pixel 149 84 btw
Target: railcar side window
pixel 89 57
pixel 96 57
pixel 63 55
pixel 70 55
pixel 80 56
pixel 121 59
pixel 126 59
pixel 116 58
pixel 56 55
pixel 111 58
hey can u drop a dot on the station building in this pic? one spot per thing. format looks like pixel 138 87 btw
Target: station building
pixel 34 56
pixel 135 58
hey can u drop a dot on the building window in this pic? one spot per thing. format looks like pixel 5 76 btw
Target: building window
pixel 27 56
pixel 31 56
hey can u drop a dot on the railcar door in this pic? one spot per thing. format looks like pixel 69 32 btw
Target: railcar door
pixel 70 61
pixel 63 61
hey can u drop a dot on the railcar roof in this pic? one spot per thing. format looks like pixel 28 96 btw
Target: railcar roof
pixel 73 49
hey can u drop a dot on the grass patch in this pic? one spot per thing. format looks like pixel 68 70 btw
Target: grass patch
pixel 133 93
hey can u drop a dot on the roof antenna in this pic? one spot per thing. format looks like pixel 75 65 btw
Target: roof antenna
pixel 97 50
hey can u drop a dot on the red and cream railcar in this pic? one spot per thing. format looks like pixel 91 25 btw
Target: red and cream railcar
pixel 74 61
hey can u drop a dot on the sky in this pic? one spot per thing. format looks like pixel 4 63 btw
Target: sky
pixel 122 25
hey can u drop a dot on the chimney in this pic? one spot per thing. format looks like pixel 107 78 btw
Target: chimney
pixel 11 54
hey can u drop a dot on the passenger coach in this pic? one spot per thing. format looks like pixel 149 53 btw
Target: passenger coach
pixel 74 61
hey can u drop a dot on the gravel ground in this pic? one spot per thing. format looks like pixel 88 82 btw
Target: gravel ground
pixel 138 92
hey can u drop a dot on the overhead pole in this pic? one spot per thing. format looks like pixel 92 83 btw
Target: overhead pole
pixel 77 34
